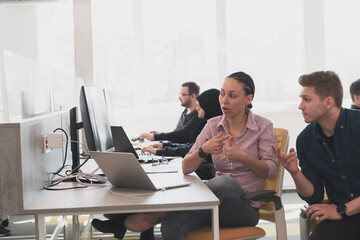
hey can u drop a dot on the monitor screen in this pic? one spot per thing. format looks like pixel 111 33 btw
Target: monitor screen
pixel 95 119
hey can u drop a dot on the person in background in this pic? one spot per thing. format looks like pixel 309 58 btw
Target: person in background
pixel 239 143
pixel 329 157
pixel 355 94
pixel 189 124
pixel 208 107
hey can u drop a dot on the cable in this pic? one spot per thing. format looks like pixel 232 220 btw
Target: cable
pixel 84 179
pixel 66 147
pixel 70 172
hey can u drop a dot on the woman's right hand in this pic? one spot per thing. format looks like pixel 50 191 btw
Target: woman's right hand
pixel 149 149
pixel 215 145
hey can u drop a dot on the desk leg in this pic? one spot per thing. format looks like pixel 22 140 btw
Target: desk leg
pixel 40 227
pixel 215 223
pixel 76 227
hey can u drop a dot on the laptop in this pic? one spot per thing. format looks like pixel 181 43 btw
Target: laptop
pixel 124 171
pixel 123 144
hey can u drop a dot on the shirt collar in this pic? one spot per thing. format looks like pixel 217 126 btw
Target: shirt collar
pixel 250 124
pixel 339 123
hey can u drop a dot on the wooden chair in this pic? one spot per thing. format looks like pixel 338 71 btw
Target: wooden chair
pixel 307 225
pixel 272 211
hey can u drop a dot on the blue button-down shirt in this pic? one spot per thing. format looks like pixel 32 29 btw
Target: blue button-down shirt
pixel 340 173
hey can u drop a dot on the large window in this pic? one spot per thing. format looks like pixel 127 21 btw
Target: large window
pixel 265 39
pixel 144 50
pixel 342 40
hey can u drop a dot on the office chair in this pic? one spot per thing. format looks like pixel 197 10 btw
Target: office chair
pixel 271 211
pixel 307 225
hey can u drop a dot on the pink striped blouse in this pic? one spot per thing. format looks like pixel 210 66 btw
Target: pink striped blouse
pixel 256 141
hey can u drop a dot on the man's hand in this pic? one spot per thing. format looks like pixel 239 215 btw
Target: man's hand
pixel 289 161
pixel 321 212
pixel 149 136
pixel 215 145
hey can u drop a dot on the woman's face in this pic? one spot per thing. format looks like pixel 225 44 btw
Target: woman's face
pixel 201 112
pixel 232 98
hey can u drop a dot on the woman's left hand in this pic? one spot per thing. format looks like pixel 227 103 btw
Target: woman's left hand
pixel 233 152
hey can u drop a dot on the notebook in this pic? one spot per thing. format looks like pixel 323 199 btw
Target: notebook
pixel 124 171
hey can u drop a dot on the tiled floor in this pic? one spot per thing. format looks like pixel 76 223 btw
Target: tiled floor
pixel 23 227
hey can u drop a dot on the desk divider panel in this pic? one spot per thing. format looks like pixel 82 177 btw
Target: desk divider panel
pixel 24 167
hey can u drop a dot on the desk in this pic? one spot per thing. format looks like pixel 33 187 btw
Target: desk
pixel 95 200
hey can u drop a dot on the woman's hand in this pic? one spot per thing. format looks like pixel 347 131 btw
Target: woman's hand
pixel 157 145
pixel 149 149
pixel 233 152
pixel 215 145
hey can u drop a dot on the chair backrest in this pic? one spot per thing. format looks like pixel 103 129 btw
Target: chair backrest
pixel 282 137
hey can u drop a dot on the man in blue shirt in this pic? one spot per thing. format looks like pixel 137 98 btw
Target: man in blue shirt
pixel 328 152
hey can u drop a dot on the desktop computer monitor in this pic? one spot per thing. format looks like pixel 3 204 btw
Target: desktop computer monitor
pixel 95 121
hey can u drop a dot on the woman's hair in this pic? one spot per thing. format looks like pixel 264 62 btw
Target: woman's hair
pixel 326 83
pixel 209 101
pixel 246 80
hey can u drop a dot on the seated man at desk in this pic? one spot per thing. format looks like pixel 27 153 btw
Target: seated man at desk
pixel 189 125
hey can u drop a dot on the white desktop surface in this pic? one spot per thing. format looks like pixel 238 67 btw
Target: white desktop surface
pixel 101 200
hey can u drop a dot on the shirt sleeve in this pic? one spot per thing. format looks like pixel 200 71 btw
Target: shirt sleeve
pixel 266 153
pixel 175 150
pixel 310 173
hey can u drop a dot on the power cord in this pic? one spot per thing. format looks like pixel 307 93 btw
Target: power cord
pixel 65 155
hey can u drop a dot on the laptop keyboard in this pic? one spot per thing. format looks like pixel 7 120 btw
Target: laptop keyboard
pixel 145 157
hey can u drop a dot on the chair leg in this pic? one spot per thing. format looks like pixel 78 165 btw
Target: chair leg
pixel 304 227
pixel 281 232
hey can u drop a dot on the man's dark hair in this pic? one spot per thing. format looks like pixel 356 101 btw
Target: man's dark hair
pixel 355 89
pixel 326 83
pixel 193 87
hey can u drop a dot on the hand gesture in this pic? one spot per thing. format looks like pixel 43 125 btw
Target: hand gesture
pixel 215 145
pixel 233 152
pixel 154 132
pixel 320 212
pixel 289 161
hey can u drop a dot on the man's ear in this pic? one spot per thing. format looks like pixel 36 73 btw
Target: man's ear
pixel 356 98
pixel 330 102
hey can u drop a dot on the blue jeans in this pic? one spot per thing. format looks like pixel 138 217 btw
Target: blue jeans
pixel 234 211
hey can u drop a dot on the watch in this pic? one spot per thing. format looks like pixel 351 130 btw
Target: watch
pixel 202 154
pixel 341 209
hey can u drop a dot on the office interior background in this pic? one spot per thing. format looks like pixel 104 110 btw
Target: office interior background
pixel 141 51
